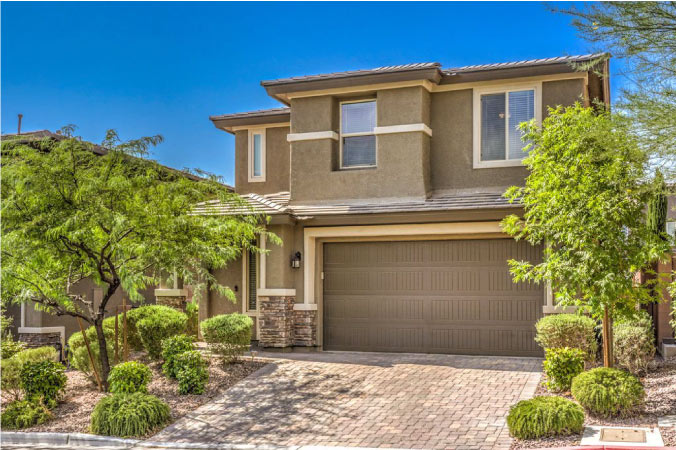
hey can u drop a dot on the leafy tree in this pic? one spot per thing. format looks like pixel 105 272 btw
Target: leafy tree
pixel 657 207
pixel 584 199
pixel 643 35
pixel 72 211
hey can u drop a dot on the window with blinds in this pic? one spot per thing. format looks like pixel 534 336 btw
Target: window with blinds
pixel 501 114
pixel 357 141
pixel 252 281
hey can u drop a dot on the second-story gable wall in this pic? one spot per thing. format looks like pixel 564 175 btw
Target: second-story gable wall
pixel 278 160
pixel 402 159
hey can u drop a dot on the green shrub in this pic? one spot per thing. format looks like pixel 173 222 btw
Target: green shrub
pixel 129 415
pixel 545 416
pixel 11 367
pixel 78 355
pixel 567 330
pixel 23 413
pixel 134 316
pixel 171 348
pixel 192 311
pixel 43 381
pixel 163 323
pixel 9 347
pixel 608 392
pixel 634 343
pixel 129 377
pixel 191 372
pixel 561 366
pixel 228 335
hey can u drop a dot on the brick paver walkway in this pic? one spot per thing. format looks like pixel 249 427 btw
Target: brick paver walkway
pixel 367 400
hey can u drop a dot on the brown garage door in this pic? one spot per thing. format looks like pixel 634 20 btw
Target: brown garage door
pixel 430 296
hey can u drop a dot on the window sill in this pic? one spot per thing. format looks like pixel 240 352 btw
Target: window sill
pixel 349 169
pixel 496 164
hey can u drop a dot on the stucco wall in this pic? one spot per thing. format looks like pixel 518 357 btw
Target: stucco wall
pixel 402 164
pixel 278 159
pixel 230 276
pixel 451 157
pixel 279 274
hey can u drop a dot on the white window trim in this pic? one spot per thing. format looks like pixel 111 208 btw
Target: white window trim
pixel 476 121
pixel 252 178
pixel 342 135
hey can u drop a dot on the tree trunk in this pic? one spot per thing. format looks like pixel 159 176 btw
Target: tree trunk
pixel 103 352
pixel 608 357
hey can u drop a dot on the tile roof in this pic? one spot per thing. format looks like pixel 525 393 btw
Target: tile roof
pixel 525 63
pixel 278 203
pixel 355 73
pixel 258 113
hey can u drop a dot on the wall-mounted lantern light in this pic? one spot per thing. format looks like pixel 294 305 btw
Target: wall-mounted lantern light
pixel 295 260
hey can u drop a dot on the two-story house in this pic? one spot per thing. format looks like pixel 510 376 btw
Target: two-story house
pixel 385 186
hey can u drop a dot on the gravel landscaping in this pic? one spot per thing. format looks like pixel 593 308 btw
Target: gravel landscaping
pixel 660 387
pixel 74 412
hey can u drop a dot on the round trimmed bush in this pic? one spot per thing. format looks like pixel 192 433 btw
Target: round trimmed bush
pixel 191 372
pixel 228 335
pixel 561 366
pixel 23 414
pixel 163 323
pixel 134 316
pixel 608 392
pixel 10 381
pixel 634 343
pixel 129 377
pixel 545 416
pixel 43 381
pixel 129 415
pixel 567 330
pixel 171 348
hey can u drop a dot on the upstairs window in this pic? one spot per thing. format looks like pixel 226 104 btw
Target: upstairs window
pixel 357 140
pixel 497 115
pixel 256 155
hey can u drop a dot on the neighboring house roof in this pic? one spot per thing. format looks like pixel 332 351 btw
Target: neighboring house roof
pixel 278 204
pixel 31 136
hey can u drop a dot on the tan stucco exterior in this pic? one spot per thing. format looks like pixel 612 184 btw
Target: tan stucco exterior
pixel 278 159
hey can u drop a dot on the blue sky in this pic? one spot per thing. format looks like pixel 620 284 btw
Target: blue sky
pixel 163 68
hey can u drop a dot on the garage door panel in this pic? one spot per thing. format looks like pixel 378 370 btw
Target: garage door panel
pixel 430 296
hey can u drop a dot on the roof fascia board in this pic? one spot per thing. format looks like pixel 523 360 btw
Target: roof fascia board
pixel 506 73
pixel 427 85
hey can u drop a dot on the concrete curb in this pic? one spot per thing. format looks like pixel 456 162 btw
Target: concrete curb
pixel 64 439
pixel 82 440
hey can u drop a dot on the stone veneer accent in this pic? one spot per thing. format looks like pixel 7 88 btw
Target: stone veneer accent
pixel 305 328
pixel 173 302
pixel 34 340
pixel 276 321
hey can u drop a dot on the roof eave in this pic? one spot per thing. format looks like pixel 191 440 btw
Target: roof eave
pixel 227 124
pixel 277 89
pixel 499 73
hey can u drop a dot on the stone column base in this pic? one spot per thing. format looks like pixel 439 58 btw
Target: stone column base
pixel 275 321
pixel 305 328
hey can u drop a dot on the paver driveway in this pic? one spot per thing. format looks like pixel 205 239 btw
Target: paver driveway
pixel 367 400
